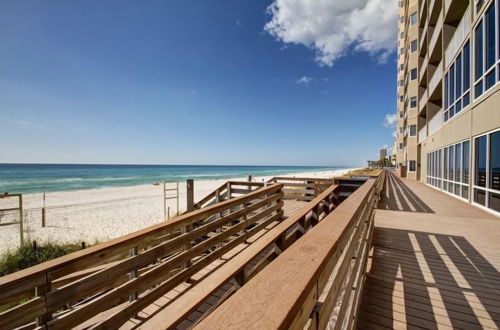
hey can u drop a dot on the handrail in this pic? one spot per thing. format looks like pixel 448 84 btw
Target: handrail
pixel 281 237
pixel 161 256
pixel 225 191
pixel 302 286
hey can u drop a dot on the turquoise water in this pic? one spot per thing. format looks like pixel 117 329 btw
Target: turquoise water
pixel 32 178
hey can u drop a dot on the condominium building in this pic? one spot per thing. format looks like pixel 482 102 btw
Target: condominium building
pixel 408 60
pixel 455 145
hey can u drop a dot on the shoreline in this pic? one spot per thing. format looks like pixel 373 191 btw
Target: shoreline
pixel 101 214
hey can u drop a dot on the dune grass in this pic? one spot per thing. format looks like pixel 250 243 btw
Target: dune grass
pixel 30 254
pixel 364 172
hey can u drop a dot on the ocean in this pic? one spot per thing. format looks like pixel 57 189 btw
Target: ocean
pixel 34 178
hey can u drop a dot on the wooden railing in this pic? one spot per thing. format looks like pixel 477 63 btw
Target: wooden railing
pixel 305 189
pixel 227 191
pixel 124 275
pixel 248 263
pixel 315 283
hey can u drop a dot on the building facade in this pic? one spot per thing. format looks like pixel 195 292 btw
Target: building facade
pixel 408 60
pixel 456 144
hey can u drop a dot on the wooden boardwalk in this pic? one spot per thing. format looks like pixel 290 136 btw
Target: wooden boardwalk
pixel 290 207
pixel 435 263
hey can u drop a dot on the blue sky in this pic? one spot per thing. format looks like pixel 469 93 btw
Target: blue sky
pixel 188 82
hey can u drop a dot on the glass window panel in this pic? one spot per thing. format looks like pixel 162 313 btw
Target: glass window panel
pixel 480 157
pixel 465 165
pixel 495 161
pixel 490 36
pixel 459 76
pixel 494 202
pixel 452 84
pixel 451 170
pixel 480 196
pixel 446 92
pixel 458 161
pixel 458 107
pixel 466 99
pixel 479 89
pixel 466 55
pixel 465 192
pixel 445 163
pixel 490 79
pixel 458 189
pixel 479 50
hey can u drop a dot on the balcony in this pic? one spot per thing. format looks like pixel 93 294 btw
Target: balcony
pixel 423 100
pixel 436 78
pixel 458 38
pixel 422 134
pixel 436 122
pixel 423 67
pixel 436 32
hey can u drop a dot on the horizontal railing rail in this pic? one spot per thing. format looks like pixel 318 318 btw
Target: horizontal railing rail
pixel 304 189
pixel 317 281
pixel 227 191
pixel 133 270
pixel 258 255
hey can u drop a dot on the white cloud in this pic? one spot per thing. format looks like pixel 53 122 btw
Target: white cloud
pixel 305 80
pixel 331 27
pixel 238 22
pixel 394 134
pixel 390 120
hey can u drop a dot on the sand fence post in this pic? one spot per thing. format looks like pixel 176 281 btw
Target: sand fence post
pixel 43 211
pixel 189 195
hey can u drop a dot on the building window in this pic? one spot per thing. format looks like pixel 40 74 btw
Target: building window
pixel 401 4
pixel 413 130
pixel 487 171
pixel 401 114
pixel 434 168
pixel 402 19
pixel 400 146
pixel 413 18
pixel 413 74
pixel 412 166
pixel 413 102
pixel 448 169
pixel 402 50
pixel 413 46
pixel 485 53
pixel 401 130
pixel 401 98
pixel 457 84
pixel 402 35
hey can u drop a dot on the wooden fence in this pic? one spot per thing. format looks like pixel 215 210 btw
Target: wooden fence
pixel 248 263
pixel 315 283
pixel 122 276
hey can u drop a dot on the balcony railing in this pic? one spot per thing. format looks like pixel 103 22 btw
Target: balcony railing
pixel 423 100
pixel 458 38
pixel 436 122
pixel 422 134
pixel 435 34
pixel 447 4
pixel 436 78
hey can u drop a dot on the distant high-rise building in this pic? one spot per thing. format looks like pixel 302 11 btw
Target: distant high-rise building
pixel 383 153
pixel 448 127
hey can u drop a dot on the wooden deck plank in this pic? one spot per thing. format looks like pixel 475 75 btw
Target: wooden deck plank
pixel 435 262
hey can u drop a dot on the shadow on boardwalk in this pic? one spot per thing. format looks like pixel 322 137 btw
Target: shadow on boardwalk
pixel 398 197
pixel 428 280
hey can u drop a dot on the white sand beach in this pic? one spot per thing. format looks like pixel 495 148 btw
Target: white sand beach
pixel 98 215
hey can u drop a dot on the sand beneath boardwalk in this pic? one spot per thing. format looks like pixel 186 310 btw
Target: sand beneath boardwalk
pixel 98 215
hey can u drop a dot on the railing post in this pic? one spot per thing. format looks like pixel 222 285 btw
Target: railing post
pixel 190 195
